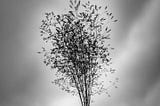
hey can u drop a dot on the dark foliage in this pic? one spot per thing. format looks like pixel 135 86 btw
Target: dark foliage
pixel 79 50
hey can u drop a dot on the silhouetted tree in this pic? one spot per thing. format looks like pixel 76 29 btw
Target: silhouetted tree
pixel 78 48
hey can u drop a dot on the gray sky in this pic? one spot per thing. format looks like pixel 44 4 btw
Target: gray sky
pixel 25 81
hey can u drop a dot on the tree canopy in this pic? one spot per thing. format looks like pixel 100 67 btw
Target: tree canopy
pixel 79 50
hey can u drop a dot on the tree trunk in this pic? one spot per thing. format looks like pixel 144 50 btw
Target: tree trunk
pixel 85 101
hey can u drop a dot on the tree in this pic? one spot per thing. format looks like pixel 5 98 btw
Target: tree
pixel 78 48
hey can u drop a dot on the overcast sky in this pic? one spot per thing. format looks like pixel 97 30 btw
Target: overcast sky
pixel 25 81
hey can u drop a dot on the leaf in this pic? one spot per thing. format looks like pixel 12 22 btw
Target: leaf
pixel 110 14
pixel 102 19
pixel 112 17
pixel 105 7
pixel 71 2
pixel 96 7
pixel 71 12
pixel 108 30
pixel 112 48
pixel 100 7
pixel 84 6
pixel 108 36
pixel 115 20
pixel 58 17
pixel 52 13
pixel 42 32
pixel 93 12
pixel 46 13
pixel 91 6
pixel 70 6
pixel 43 49
pixel 39 52
pixel 78 4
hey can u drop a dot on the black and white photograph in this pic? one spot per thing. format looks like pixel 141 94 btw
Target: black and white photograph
pixel 79 52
